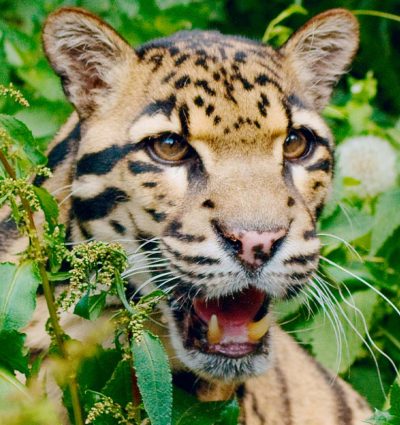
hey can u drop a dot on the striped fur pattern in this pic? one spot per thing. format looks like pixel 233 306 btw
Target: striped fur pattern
pixel 234 102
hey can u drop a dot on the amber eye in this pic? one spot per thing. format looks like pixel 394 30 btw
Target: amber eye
pixel 297 144
pixel 170 147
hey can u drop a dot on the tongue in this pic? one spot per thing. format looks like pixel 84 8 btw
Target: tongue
pixel 232 311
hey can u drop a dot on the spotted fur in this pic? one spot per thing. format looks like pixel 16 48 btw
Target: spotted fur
pixel 235 101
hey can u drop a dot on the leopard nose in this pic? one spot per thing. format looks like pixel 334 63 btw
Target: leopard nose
pixel 251 247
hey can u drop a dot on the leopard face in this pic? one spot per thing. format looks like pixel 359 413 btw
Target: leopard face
pixel 207 155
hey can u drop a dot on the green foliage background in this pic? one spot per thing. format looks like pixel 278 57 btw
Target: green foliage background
pixel 365 103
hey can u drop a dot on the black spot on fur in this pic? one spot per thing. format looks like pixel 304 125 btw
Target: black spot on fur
pixel 157 216
pixel 182 82
pixel 261 80
pixel 173 51
pixel 149 184
pixel 216 76
pixel 169 77
pixel 204 85
pixel 318 210
pixel 309 234
pixel 100 205
pixel 202 62
pixel 290 202
pixel 198 101
pixel 157 60
pixel 263 104
pixel 257 124
pixel 217 119
pixel 208 203
pixel 179 61
pixel 240 57
pixel 118 227
pixel 210 109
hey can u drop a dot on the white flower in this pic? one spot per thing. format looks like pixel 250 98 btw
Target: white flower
pixel 370 160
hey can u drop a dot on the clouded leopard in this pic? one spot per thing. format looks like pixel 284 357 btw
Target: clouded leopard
pixel 209 151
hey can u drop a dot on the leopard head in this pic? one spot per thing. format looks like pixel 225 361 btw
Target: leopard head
pixel 210 149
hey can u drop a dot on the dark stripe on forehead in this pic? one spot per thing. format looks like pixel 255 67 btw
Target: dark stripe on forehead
pixel 102 162
pixel 184 119
pixel 100 205
pixel 60 152
pixel 164 106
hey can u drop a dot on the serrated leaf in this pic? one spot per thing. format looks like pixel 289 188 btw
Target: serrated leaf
pixel 188 410
pixel 90 306
pixel 154 377
pixel 17 294
pixel 387 219
pixel 48 205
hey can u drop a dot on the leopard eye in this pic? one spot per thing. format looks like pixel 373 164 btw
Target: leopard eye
pixel 169 148
pixel 298 144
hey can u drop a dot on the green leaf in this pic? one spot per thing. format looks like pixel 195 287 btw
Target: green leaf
pixel 90 306
pixel 25 147
pixel 17 294
pixel 347 223
pixel 387 219
pixel 12 351
pixel 10 387
pixel 48 205
pixel 380 418
pixel 188 410
pixel 395 399
pixel 153 377
pixel 289 11
pixel 119 386
pixel 322 336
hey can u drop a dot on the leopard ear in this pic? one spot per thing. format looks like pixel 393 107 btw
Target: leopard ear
pixel 86 53
pixel 320 52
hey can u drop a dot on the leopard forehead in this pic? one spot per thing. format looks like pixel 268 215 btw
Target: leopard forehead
pixel 221 88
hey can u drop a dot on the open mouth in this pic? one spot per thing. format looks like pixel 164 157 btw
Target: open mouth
pixel 231 326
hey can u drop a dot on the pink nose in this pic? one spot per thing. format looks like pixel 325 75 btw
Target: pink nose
pixel 255 248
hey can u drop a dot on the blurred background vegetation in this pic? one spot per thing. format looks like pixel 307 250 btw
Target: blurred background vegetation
pixel 366 103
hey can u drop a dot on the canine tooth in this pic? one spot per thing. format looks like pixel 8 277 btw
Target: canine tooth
pixel 257 330
pixel 214 333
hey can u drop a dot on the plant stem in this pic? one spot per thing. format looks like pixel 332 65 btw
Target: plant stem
pixel 48 294
pixel 377 14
